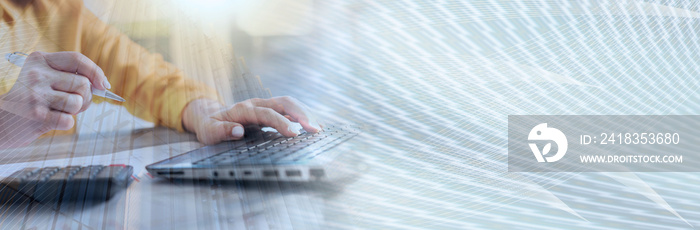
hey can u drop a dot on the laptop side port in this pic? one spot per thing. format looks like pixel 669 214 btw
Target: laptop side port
pixel 270 173
pixel 293 173
pixel 318 173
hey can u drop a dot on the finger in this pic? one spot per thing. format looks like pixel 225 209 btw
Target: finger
pixel 72 83
pixel 58 120
pixel 262 116
pixel 294 108
pixel 270 118
pixel 66 102
pixel 74 62
pixel 290 118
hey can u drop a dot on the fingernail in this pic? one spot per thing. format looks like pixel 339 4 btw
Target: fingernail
pixel 294 131
pixel 107 85
pixel 237 131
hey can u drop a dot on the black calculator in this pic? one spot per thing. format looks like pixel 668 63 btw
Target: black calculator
pixel 49 184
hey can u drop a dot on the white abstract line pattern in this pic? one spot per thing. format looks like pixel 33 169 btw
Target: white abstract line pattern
pixel 436 81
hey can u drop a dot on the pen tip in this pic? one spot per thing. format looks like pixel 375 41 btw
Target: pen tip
pixel 114 96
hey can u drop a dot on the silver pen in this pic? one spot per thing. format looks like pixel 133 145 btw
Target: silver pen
pixel 18 58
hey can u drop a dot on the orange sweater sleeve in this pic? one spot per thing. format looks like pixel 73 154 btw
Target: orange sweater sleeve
pixel 154 89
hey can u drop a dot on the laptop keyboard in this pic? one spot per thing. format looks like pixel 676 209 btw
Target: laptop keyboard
pixel 272 147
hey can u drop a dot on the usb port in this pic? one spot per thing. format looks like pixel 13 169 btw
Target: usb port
pixel 293 173
pixel 270 173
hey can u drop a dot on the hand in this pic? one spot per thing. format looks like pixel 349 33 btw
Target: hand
pixel 50 89
pixel 214 123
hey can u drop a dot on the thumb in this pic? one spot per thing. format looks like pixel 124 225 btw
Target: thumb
pixel 231 130
pixel 221 131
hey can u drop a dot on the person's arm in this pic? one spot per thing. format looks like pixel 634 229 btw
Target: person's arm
pixel 157 91
pixel 154 89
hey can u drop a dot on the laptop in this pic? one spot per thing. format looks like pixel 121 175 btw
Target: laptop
pixel 268 156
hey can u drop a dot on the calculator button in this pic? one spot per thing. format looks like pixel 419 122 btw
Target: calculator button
pixel 88 172
pixel 24 173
